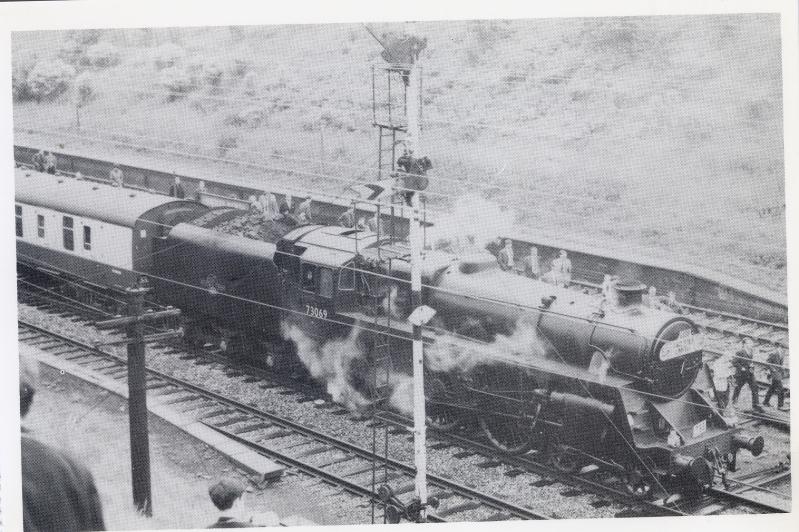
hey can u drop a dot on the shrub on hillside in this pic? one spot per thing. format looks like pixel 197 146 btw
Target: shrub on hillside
pixel 73 48
pixel 227 142
pixel 167 55
pixel 213 75
pixel 49 79
pixel 102 55
pixel 84 89
pixel 178 82
pixel 85 37
pixel 483 36
pixel 239 68
pixel 22 65
pixel 250 117
pixel 250 83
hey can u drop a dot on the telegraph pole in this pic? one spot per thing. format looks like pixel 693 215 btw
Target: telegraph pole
pixel 137 388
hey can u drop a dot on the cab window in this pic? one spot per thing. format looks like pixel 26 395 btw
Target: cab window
pixel 325 282
pixel 346 279
pixel 309 277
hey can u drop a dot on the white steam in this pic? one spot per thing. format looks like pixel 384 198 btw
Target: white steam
pixel 452 353
pixel 329 362
pixel 472 223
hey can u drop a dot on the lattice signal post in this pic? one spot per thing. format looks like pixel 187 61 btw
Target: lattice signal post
pixel 397 115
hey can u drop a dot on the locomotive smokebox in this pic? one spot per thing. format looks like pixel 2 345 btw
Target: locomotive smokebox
pixel 753 444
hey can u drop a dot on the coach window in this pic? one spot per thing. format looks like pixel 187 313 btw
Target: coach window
pixel 40 225
pixel 18 217
pixel 69 233
pixel 87 237
pixel 325 282
pixel 309 277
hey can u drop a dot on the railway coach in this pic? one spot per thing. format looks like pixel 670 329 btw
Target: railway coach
pixel 98 233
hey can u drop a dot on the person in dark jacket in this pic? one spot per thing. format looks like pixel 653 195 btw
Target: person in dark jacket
pixel 745 374
pixel 227 497
pixel 58 493
pixel 116 176
pixel 776 373
pixel 177 190
pixel 38 161
pixel 348 218
pixel 50 162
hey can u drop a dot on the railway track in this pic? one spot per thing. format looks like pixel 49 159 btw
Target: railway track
pixel 332 460
pixel 399 474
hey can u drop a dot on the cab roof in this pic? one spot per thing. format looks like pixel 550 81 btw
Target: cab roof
pixel 87 199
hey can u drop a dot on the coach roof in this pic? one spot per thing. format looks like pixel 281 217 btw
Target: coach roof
pixel 115 205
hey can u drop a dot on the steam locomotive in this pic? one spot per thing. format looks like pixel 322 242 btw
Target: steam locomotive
pixel 535 365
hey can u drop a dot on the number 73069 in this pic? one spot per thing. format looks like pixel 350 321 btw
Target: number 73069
pixel 316 312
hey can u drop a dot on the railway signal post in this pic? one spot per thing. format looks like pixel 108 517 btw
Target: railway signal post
pixel 402 52
pixel 137 388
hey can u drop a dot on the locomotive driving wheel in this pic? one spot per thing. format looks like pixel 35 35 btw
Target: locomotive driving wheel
pixel 440 395
pixel 508 434
pixel 504 413
pixel 566 460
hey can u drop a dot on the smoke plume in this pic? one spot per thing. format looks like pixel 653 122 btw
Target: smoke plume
pixel 329 363
pixel 471 224
pixel 452 353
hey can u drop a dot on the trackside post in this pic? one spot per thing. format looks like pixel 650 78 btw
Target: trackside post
pixel 137 389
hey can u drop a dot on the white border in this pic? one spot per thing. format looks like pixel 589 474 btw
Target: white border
pixel 18 16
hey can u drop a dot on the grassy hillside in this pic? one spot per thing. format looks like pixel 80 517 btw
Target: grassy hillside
pixel 657 135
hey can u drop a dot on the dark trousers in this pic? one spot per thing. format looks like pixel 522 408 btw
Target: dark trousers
pixel 775 388
pixel 722 396
pixel 740 380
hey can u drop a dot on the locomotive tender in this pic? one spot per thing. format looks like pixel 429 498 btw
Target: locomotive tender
pixel 588 384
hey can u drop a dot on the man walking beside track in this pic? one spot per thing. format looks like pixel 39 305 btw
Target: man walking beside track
pixel 776 373
pixel 58 493
pixel 745 373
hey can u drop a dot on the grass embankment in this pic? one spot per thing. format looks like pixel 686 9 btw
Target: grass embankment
pixel 660 136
